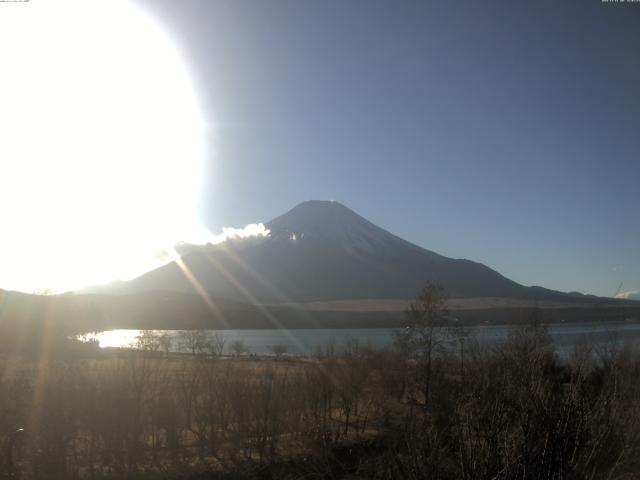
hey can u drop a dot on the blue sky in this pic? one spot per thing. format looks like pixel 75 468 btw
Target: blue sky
pixel 504 132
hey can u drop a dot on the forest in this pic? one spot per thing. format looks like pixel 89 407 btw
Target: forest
pixel 436 404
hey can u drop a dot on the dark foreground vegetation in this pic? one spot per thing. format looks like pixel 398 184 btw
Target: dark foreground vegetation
pixel 436 405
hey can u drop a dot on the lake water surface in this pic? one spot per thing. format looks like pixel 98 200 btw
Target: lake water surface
pixel 306 341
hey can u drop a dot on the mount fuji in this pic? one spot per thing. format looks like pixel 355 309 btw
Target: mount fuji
pixel 323 251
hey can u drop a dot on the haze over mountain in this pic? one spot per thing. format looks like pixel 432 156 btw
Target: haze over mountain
pixel 322 265
pixel 323 251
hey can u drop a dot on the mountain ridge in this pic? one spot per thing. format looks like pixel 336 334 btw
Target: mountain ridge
pixel 322 250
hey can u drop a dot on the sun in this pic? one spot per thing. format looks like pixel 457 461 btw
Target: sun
pixel 100 144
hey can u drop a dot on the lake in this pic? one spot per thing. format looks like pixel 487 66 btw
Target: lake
pixel 306 341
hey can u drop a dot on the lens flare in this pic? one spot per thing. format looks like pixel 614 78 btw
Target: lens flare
pixel 100 144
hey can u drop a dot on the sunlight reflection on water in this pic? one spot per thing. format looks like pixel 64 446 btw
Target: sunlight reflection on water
pixel 113 338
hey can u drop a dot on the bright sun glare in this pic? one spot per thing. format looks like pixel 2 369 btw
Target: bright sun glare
pixel 100 144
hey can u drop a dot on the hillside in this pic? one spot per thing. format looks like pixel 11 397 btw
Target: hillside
pixel 323 251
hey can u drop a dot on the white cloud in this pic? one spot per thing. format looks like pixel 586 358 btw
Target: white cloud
pixel 630 295
pixel 230 233
pixel 203 237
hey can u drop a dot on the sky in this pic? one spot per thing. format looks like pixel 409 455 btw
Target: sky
pixel 503 132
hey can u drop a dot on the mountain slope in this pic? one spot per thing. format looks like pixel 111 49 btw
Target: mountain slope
pixel 324 251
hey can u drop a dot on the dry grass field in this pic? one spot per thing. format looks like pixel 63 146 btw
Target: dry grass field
pixel 411 411
pixel 399 305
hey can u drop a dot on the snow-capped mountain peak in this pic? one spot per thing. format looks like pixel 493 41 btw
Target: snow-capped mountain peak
pixel 329 222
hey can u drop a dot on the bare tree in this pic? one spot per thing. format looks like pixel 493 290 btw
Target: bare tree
pixel 148 341
pixel 462 336
pixel 165 341
pixel 216 343
pixel 238 347
pixel 194 341
pixel 427 317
